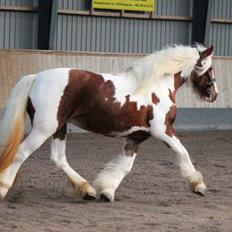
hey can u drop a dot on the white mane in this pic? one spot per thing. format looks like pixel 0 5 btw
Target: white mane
pixel 168 61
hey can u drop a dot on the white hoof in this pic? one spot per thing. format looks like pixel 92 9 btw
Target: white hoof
pixel 107 195
pixel 105 189
pixel 200 189
pixel 197 184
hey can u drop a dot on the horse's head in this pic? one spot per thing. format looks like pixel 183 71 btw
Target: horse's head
pixel 203 76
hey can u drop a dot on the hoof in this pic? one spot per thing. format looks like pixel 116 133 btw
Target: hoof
pixel 105 190
pixel 200 189
pixel 107 196
pixel 87 192
pixel 84 190
pixel 197 184
pixel 89 197
pixel 104 198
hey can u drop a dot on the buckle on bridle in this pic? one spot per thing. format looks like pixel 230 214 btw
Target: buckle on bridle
pixel 211 82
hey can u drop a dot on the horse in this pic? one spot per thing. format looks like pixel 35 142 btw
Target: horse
pixel 135 104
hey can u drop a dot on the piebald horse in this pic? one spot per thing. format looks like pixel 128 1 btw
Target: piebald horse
pixel 135 104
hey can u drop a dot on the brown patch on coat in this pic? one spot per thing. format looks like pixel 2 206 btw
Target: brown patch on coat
pixel 169 120
pixel 171 115
pixel 30 110
pixel 61 133
pixel 133 140
pixel 88 101
pixel 131 149
pixel 172 96
pixel 139 136
pixel 155 99
pixel 178 82
pixel 200 83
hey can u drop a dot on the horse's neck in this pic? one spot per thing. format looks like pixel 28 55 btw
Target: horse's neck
pixel 162 86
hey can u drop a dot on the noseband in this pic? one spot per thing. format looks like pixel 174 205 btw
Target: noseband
pixel 211 82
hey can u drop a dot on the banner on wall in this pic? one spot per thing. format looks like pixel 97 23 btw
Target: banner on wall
pixel 132 5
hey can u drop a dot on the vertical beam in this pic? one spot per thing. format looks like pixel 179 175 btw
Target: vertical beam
pixel 200 8
pixel 44 23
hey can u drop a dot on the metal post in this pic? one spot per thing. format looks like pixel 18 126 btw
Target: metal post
pixel 200 8
pixel 45 7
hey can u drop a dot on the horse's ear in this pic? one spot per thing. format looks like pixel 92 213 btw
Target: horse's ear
pixel 207 52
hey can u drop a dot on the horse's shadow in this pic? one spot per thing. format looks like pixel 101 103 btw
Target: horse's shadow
pixel 36 195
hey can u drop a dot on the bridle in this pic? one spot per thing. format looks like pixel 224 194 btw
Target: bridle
pixel 212 80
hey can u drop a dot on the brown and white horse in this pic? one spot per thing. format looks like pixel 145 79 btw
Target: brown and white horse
pixel 136 104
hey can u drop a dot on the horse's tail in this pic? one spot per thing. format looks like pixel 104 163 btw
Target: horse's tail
pixel 12 128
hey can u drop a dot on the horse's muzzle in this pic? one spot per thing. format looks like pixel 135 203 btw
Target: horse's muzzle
pixel 212 97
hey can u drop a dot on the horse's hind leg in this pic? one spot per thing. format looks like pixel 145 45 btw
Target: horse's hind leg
pixel 29 145
pixel 80 185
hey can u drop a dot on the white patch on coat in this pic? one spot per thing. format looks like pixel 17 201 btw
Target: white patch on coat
pixel 46 93
pixel 125 85
pixel 160 110
pixel 130 131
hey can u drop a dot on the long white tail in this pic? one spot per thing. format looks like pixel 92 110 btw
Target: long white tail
pixel 12 126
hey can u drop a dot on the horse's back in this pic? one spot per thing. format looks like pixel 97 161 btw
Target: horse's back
pixel 92 101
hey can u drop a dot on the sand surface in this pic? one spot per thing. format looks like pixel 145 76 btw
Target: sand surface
pixel 152 198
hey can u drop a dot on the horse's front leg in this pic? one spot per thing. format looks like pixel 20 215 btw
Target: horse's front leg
pixel 113 173
pixel 188 171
